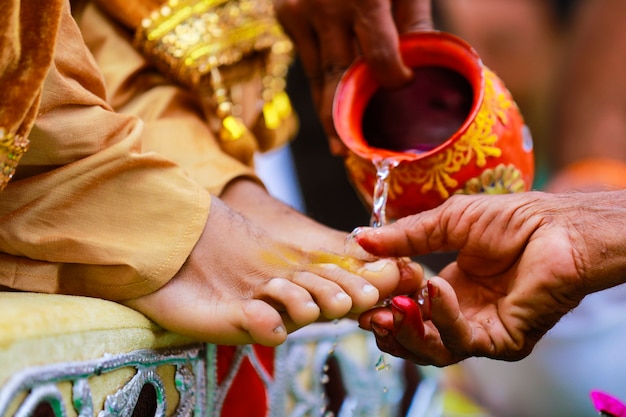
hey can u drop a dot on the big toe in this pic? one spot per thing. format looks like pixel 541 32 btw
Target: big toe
pixel 384 274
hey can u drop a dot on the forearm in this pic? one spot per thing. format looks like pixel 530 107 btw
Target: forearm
pixel 597 226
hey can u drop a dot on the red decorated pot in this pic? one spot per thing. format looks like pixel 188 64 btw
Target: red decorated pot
pixel 454 129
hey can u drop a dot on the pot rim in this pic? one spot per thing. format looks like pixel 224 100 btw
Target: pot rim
pixel 358 83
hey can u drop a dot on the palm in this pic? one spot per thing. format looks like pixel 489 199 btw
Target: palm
pixel 508 301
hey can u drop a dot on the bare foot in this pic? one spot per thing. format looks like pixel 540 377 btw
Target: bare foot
pixel 241 285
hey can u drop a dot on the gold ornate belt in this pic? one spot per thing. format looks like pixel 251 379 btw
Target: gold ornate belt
pixel 210 45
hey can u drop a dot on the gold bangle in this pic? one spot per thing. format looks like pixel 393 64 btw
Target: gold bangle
pixel 12 147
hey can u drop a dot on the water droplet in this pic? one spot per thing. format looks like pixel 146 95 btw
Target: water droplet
pixel 382 364
pixel 422 296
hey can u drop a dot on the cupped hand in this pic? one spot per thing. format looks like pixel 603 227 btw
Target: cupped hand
pixel 330 34
pixel 523 262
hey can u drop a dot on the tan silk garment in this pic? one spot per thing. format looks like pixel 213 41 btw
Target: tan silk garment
pixel 115 189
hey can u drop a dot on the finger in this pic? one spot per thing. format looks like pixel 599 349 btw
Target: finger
pixel 366 320
pixel 308 50
pixel 404 341
pixel 428 350
pixel 337 46
pixel 337 53
pixel 352 248
pixel 408 236
pixel 293 17
pixel 424 232
pixel 421 342
pixel 381 322
pixel 335 145
pixel 455 331
pixel 378 40
pixel 413 15
pixel 330 80
pixel 400 331
pixel 407 314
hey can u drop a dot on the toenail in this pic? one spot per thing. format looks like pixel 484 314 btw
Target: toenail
pixel 368 288
pixel 341 296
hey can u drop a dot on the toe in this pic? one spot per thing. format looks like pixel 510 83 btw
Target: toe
pixel 263 323
pixel 333 301
pixel 284 295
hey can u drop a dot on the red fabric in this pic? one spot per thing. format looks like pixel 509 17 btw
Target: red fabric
pixel 247 396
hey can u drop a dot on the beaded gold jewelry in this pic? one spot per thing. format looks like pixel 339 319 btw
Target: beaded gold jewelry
pixel 210 45
pixel 12 147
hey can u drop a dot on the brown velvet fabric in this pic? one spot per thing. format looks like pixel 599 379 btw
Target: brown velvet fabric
pixel 27 36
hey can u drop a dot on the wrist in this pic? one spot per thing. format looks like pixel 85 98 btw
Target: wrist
pixel 599 222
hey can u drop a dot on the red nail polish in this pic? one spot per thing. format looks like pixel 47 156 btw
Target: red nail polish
pixel 411 314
